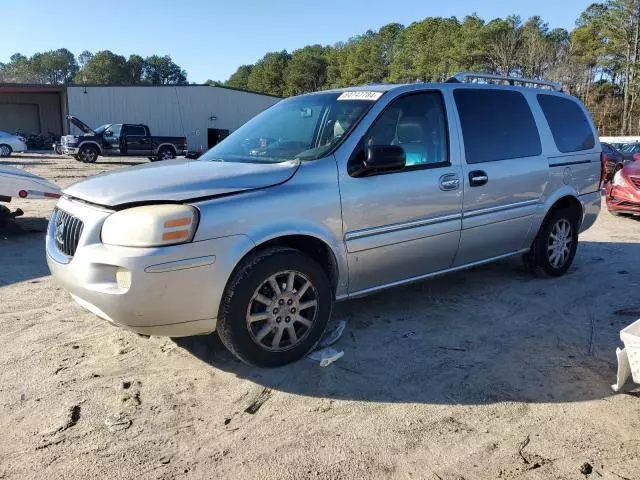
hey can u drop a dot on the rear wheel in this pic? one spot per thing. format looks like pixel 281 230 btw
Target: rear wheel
pixel 166 153
pixel 275 307
pixel 5 150
pixel 88 154
pixel 555 246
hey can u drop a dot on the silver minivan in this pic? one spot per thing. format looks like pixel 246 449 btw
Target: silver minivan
pixel 330 196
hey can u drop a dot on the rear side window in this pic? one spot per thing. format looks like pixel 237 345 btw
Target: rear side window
pixel 135 130
pixel 496 125
pixel 569 126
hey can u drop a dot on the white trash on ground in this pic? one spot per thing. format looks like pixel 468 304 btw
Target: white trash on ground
pixel 325 354
pixel 334 336
pixel 629 356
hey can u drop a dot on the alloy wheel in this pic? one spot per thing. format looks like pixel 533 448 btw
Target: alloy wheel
pixel 559 243
pixel 282 310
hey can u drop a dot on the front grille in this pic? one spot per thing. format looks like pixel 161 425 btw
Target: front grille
pixel 635 181
pixel 66 232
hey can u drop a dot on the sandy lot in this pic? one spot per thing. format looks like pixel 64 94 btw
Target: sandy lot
pixel 489 373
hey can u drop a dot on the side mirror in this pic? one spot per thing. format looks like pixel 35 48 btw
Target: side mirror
pixel 381 159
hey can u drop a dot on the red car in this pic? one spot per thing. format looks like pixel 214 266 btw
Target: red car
pixel 623 193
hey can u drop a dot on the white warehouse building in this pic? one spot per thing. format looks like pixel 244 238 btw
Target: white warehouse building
pixel 201 113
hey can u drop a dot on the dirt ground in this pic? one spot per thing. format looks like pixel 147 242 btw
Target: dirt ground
pixel 484 374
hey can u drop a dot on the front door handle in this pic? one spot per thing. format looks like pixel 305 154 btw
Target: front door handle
pixel 450 181
pixel 478 178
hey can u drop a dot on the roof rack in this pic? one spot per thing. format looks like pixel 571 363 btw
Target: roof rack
pixel 465 77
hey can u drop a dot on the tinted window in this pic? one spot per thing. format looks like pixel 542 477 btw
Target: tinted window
pixel 135 130
pixel 115 130
pixel 569 125
pixel 496 125
pixel 418 124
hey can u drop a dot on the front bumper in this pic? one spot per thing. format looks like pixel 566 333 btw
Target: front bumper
pixel 174 291
pixel 623 199
pixel 69 150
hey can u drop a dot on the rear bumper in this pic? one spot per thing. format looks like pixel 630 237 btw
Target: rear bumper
pixel 591 205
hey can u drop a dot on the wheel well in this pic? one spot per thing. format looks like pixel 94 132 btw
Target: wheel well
pixel 312 246
pixel 167 146
pixel 569 202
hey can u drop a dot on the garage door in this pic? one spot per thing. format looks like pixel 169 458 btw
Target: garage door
pixel 24 117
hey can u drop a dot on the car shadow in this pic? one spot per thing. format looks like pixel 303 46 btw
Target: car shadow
pixel 490 334
pixel 22 253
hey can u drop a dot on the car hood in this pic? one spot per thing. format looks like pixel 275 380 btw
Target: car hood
pixel 83 127
pixel 178 180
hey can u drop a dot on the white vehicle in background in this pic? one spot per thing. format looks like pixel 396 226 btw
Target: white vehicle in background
pixel 10 143
pixel 16 183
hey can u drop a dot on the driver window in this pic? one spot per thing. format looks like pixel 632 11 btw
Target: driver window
pixel 115 130
pixel 417 123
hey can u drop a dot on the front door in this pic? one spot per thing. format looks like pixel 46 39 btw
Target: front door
pixel 111 139
pixel 404 225
pixel 504 172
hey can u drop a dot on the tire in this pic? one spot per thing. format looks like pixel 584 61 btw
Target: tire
pixel 251 279
pixel 5 150
pixel 77 157
pixel 88 154
pixel 543 259
pixel 166 153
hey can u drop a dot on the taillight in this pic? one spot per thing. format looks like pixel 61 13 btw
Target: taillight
pixel 636 156
pixel 603 169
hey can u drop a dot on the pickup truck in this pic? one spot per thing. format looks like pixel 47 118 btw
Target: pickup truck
pixel 120 139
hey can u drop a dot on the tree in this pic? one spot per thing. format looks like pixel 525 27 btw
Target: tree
pixel 213 83
pixel 163 71
pixel 240 78
pixel 504 41
pixel 306 70
pixel 267 76
pixel 104 68
pixel 135 69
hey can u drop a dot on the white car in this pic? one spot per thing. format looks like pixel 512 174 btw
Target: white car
pixel 10 143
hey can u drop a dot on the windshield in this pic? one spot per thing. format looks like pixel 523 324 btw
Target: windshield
pixel 305 128
pixel 101 128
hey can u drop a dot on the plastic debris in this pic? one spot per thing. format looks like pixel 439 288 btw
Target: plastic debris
pixel 335 335
pixel 624 370
pixel 326 356
pixel 629 356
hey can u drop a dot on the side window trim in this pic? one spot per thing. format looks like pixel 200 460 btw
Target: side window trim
pixel 427 166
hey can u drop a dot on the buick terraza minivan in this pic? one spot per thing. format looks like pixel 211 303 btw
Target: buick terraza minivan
pixel 329 196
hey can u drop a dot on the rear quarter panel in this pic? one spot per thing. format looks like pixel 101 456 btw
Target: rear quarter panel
pixel 574 174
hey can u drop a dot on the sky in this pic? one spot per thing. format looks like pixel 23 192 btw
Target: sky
pixel 211 38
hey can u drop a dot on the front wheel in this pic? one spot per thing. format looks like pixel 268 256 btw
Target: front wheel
pixel 5 150
pixel 275 308
pixel 555 246
pixel 88 154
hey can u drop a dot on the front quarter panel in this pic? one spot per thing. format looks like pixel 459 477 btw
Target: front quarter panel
pixel 307 204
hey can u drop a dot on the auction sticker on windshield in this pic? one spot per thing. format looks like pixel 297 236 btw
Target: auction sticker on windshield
pixel 361 95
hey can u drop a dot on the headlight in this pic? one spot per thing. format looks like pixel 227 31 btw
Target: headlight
pixel 151 226
pixel 618 180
